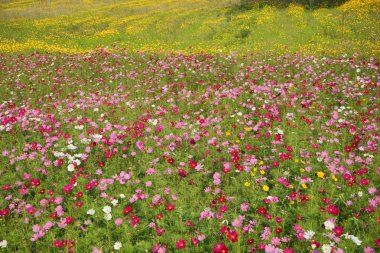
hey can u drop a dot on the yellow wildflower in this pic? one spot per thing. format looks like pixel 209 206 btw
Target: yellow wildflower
pixel 321 174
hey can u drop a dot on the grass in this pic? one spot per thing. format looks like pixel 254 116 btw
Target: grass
pixel 77 26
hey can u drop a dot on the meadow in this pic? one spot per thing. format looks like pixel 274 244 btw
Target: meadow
pixel 189 126
pixel 188 25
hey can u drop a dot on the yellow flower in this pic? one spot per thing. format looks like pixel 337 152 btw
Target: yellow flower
pixel 237 141
pixel 334 178
pixel 321 174
pixel 247 129
pixel 304 186
pixel 296 160
pixel 292 202
pixel 261 163
pixel 247 184
pixel 262 172
pixel 266 188
pixel 302 170
pixel 228 133
pixel 291 186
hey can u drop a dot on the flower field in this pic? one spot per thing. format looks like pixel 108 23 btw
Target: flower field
pixel 113 151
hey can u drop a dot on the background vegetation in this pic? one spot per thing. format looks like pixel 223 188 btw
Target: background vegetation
pixel 209 25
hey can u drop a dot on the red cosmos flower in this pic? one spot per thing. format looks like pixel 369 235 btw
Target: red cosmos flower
pixel 181 172
pixel 134 220
pixel 347 149
pixel 334 210
pixel 338 231
pixel 250 241
pixel 30 210
pixel 69 220
pixel 262 210
pixel 220 247
pixel 364 181
pixel 7 187
pixel 170 207
pixel 160 231
pixel 194 241
pixel 315 243
pixel 180 244
pixel 88 186
pixel 34 182
pixel 4 212
pixel 222 198
pixel 57 244
pixel 159 216
pixel 67 188
pixel 170 161
pixel 60 162
pixel 127 210
pixel 346 176
pixel 235 159
pixel 224 230
pixel 288 250
pixel 233 236
pixel 377 242
pixel 223 209
pixel 193 164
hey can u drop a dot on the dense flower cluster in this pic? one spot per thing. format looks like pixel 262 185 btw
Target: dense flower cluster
pixel 201 153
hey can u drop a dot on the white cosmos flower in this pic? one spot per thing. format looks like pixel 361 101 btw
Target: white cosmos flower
pixel 107 209
pixel 114 202
pixel 85 141
pixel 72 147
pixel 70 167
pixel 107 216
pixel 326 248
pixel 309 234
pixel 91 212
pixel 77 161
pixel 117 246
pixel 59 154
pixel 329 225
pixel 3 244
pixel 355 240
pixel 97 137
